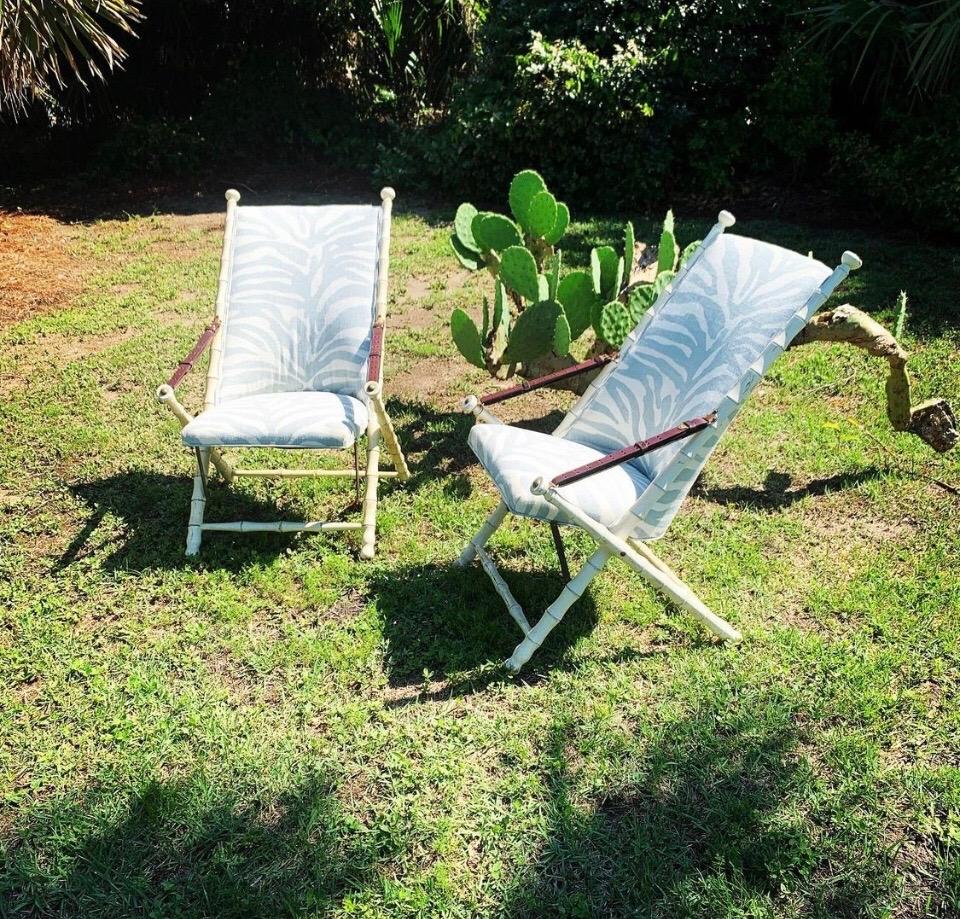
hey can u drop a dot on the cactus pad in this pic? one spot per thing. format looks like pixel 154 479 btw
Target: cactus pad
pixel 615 324
pixel 629 244
pixel 539 328
pixel 578 297
pixel 467 257
pixel 523 188
pixel 667 251
pixel 541 214
pixel 466 337
pixel 553 274
pixel 640 300
pixel 519 272
pixel 462 226
pixel 607 269
pixel 688 251
pixel 561 224
pixel 495 232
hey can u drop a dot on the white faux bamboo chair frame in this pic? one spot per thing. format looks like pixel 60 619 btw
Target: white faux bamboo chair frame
pixel 380 430
pixel 615 540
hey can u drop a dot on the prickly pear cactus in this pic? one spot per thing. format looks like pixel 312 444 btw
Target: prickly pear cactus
pixel 575 291
pixel 539 329
pixel 614 323
pixel 518 270
pixel 560 225
pixel 494 232
pixel 667 253
pixel 541 214
pixel 524 188
pixel 466 337
pixel 536 310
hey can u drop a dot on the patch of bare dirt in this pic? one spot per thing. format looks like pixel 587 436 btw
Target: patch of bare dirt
pixel 38 272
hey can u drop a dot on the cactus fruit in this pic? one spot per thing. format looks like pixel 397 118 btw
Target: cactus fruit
pixel 462 226
pixel 614 323
pixel 524 187
pixel 466 337
pixel 560 225
pixel 629 245
pixel 467 257
pixel 578 297
pixel 519 272
pixel 494 232
pixel 541 214
pixel 539 329
pixel 607 269
pixel 667 251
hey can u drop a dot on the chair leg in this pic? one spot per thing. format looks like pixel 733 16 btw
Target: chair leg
pixel 368 544
pixel 556 611
pixel 490 526
pixel 646 562
pixel 198 502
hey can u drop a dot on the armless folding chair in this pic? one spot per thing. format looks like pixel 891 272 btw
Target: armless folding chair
pixel 623 459
pixel 296 351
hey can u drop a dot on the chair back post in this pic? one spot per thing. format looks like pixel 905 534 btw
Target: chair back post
pixel 699 447
pixel 223 286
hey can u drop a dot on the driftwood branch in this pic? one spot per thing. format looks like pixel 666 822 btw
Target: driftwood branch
pixel 933 421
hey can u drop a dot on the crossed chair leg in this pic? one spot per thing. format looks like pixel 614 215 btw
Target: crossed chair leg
pixel 636 554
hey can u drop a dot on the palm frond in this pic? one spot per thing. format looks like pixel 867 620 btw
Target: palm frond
pixel 45 43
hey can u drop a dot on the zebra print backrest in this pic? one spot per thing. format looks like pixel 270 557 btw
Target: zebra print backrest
pixel 300 300
pixel 720 317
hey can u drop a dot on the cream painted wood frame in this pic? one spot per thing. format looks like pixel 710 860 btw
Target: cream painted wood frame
pixel 615 541
pixel 380 430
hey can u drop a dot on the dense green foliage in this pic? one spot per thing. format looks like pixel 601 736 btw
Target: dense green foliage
pixel 615 102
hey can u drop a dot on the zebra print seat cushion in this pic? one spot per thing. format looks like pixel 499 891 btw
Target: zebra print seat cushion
pixel 300 301
pixel 514 457
pixel 302 420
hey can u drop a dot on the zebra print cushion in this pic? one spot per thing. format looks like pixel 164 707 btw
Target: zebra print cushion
pixel 514 457
pixel 304 420
pixel 720 317
pixel 300 302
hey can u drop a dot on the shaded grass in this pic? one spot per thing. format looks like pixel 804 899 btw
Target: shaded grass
pixel 276 728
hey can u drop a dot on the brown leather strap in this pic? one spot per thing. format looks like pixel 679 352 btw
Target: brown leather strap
pixel 538 383
pixel 376 354
pixel 680 432
pixel 184 367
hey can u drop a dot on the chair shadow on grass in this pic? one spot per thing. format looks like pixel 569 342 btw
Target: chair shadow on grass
pixel 719 817
pixel 449 624
pixel 777 493
pixel 185 847
pixel 154 507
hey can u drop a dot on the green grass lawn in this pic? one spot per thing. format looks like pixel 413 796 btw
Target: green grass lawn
pixel 277 728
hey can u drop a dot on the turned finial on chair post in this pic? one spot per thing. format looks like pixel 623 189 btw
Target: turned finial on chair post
pixel 726 219
pixel 387 194
pixel 232 195
pixel 851 260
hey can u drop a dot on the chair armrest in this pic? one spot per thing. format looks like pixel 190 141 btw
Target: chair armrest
pixel 184 367
pixel 546 380
pixel 671 435
pixel 376 353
